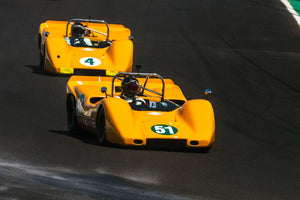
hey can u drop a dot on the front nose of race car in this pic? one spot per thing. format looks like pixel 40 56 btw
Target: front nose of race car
pixel 100 61
pixel 166 129
pixel 88 61
pixel 174 134
pixel 182 127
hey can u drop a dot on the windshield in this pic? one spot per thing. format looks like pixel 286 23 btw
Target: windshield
pixel 86 42
pixel 146 105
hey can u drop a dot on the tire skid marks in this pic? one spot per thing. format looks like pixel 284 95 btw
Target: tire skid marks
pixel 55 182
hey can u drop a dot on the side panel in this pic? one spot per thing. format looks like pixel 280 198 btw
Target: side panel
pixel 86 107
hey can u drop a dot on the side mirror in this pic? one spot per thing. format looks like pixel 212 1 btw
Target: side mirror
pixel 103 90
pixel 131 37
pixel 137 68
pixel 207 92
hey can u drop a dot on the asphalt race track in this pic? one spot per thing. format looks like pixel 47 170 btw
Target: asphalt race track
pixel 247 52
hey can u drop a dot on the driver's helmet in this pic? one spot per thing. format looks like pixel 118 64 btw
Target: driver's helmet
pixel 130 87
pixel 77 30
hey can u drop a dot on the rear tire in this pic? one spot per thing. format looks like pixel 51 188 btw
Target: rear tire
pixel 101 127
pixel 71 114
pixel 42 62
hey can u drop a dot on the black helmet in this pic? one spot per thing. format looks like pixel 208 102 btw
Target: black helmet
pixel 130 86
pixel 77 30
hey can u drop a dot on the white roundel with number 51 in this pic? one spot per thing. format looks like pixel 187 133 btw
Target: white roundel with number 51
pixel 90 61
pixel 164 129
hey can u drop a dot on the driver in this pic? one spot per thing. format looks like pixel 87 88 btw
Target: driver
pixel 77 30
pixel 77 39
pixel 130 88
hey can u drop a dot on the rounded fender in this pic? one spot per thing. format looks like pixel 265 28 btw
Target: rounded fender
pixel 121 54
pixel 199 115
pixel 119 120
pixel 59 57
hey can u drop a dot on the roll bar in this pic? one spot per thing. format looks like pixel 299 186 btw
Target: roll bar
pixel 147 75
pixel 92 21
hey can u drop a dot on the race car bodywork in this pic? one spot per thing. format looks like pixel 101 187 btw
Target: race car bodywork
pixel 168 119
pixel 105 49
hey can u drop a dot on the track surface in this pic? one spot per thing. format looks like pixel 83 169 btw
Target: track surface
pixel 247 52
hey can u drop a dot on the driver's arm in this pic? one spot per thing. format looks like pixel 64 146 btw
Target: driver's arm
pixel 87 42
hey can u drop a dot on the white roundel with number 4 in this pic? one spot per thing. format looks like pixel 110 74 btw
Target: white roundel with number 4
pixel 90 61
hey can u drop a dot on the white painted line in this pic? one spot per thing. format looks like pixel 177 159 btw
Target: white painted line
pixel 291 10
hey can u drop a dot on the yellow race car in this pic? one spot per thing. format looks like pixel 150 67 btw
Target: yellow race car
pixel 85 47
pixel 139 109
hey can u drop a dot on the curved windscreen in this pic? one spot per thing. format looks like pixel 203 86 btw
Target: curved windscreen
pixel 146 105
pixel 86 42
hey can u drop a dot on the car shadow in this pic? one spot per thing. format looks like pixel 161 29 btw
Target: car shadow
pixel 91 139
pixel 82 136
pixel 36 69
pixel 162 148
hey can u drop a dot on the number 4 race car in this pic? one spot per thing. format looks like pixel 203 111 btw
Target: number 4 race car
pixel 85 47
pixel 140 109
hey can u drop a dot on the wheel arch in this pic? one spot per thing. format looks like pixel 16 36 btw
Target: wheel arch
pixel 199 115
pixel 120 124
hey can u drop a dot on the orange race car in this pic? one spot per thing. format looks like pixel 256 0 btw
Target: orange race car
pixel 139 109
pixel 85 47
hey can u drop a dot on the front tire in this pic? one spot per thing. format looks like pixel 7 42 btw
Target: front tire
pixel 71 114
pixel 101 127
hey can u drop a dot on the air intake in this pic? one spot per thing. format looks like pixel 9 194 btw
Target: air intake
pixel 162 143
pixel 138 141
pixel 194 143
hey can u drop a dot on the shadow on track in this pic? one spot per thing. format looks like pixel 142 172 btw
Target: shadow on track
pixel 84 137
pixel 36 69
pixel 92 140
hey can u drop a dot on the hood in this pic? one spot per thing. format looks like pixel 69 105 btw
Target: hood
pixel 163 125
pixel 89 58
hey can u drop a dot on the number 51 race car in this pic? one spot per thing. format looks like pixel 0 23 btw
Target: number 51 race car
pixel 139 109
pixel 85 47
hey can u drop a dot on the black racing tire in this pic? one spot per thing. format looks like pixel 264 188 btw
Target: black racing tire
pixel 101 127
pixel 71 114
pixel 39 42
pixel 42 61
pixel 42 54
